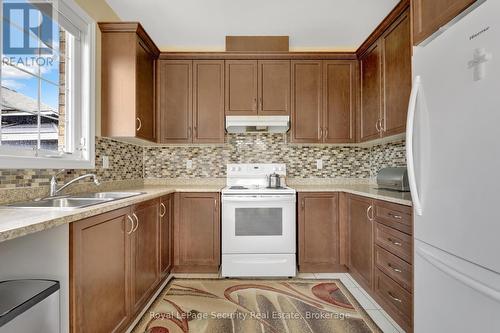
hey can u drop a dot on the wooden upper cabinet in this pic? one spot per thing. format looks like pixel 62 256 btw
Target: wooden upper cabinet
pixel 430 15
pixel 318 221
pixel 274 87
pixel 396 44
pixel 339 101
pixel 144 263
pixel 241 87
pixel 128 59
pixel 306 105
pixel 361 239
pixel 174 89
pixel 208 101
pixel 99 278
pixel 166 234
pixel 371 93
pixel 145 108
pixel 197 232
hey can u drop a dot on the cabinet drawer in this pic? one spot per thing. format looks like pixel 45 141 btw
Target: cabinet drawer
pixel 396 216
pixel 397 269
pixel 394 241
pixel 398 299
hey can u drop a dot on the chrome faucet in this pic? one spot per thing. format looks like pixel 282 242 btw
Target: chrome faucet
pixel 53 182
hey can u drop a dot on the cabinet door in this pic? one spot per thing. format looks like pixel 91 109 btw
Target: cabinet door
pixel 144 259
pixel 145 110
pixel 197 231
pixel 99 278
pixel 306 101
pixel 339 101
pixel 241 87
pixel 371 94
pixel 318 232
pixel 175 100
pixel 361 239
pixel 208 101
pixel 166 233
pixel 274 87
pixel 430 15
pixel 397 75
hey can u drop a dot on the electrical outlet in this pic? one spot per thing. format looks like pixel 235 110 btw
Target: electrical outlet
pixel 189 164
pixel 105 162
pixel 319 164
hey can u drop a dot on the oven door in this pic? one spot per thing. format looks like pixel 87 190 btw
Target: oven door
pixel 258 224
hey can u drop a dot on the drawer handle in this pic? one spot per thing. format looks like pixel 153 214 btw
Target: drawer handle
pixel 395 242
pixel 397 270
pixel 140 124
pixel 137 221
pixel 394 298
pixel 397 217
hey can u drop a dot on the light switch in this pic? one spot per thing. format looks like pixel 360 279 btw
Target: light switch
pixel 319 164
pixel 189 164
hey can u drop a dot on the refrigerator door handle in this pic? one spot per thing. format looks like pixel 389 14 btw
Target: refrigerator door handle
pixel 458 275
pixel 417 205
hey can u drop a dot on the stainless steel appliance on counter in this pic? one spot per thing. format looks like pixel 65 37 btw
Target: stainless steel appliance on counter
pixel 394 178
pixel 258 223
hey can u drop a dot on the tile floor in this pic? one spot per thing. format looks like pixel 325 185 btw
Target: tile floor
pixel 383 320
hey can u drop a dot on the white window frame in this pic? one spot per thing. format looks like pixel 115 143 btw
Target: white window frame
pixel 84 114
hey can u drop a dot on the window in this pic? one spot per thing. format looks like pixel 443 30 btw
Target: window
pixel 47 82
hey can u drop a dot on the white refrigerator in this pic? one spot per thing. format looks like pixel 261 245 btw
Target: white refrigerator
pixel 453 152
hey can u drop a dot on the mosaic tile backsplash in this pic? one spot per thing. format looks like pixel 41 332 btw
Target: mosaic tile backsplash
pixel 210 161
pixel 126 163
pixel 130 162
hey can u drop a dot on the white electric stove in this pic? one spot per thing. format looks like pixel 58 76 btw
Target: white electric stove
pixel 258 223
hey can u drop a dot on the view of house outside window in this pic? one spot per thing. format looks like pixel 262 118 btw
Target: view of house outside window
pixel 36 61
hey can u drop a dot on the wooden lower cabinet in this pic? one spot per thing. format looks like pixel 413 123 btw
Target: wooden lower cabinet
pixel 318 223
pixel 361 239
pixel 166 234
pixel 114 267
pixel 144 258
pixel 197 232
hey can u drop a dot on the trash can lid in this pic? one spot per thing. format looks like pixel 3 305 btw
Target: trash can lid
pixel 17 296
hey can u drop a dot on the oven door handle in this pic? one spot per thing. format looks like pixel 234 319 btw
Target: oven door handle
pixel 258 198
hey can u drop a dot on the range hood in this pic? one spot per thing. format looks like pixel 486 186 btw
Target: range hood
pixel 269 124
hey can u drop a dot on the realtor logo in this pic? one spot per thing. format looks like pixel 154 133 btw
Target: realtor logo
pixel 27 28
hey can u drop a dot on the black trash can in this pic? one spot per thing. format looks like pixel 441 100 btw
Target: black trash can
pixel 29 306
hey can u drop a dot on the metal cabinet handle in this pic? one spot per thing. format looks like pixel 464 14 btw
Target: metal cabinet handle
pixel 394 298
pixel 215 204
pixel 320 133
pixel 397 270
pixel 133 224
pixel 164 209
pixel 382 127
pixel 137 220
pixel 302 204
pixel 140 123
pixel 195 131
pixel 368 215
pixel 398 217
pixel 261 107
pixel 254 103
pixel 326 132
pixel 377 126
pixel 395 242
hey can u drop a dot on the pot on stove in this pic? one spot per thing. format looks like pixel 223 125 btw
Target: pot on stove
pixel 274 180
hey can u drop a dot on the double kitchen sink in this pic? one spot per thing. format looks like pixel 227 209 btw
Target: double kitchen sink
pixel 71 202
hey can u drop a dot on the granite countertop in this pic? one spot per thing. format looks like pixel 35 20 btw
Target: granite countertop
pixel 17 222
pixel 367 190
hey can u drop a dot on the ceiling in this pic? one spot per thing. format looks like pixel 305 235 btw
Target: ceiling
pixel 201 25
